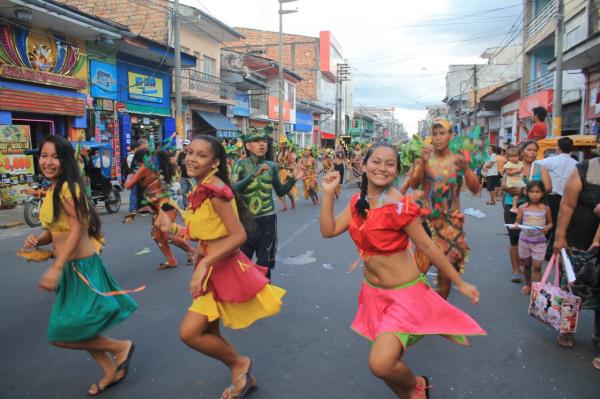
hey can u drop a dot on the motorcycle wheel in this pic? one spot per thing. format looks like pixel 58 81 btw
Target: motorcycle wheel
pixel 31 213
pixel 113 203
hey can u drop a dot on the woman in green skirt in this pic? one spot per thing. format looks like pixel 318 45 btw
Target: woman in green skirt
pixel 88 299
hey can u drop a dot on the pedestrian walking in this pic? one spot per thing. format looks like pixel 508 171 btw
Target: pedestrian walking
pixel 531 172
pixel 255 178
pixel 536 218
pixel 492 180
pixel 578 223
pixel 186 181
pixel 88 299
pixel 225 286
pixel 396 305
pixel 155 176
pixel 560 168
pixel 340 161
pixel 437 174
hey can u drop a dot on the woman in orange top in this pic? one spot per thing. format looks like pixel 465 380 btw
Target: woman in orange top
pixel 226 284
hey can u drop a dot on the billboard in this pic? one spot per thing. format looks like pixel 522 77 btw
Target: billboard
pixel 103 80
pixel 145 88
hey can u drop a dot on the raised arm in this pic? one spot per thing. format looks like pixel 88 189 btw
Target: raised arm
pixel 238 182
pixel 332 226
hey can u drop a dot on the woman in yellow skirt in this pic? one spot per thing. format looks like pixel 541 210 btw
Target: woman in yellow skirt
pixel 225 284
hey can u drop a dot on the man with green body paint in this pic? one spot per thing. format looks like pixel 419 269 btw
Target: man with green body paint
pixel 255 178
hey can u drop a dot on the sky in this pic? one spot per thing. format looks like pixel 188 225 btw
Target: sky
pixel 399 50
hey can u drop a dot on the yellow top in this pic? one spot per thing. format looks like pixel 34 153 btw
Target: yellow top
pixel 62 224
pixel 47 212
pixel 204 223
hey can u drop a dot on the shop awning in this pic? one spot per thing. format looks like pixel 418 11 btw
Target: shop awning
pixel 146 110
pixel 327 136
pixel 220 123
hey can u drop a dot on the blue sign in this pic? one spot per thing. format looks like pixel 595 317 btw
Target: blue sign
pixel 103 80
pixel 242 104
pixel 304 122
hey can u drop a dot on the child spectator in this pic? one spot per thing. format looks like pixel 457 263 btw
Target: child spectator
pixel 513 168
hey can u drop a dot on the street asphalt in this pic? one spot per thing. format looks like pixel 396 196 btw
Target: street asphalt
pixel 308 350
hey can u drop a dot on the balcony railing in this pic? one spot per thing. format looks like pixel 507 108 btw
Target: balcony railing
pixel 195 84
pixel 543 82
pixel 542 18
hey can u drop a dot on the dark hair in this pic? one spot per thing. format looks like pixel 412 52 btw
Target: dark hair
pixel 69 174
pixel 140 154
pixel 167 168
pixel 540 112
pixel 565 144
pixel 362 204
pixel 527 143
pixel 498 150
pixel 223 174
pixel 539 184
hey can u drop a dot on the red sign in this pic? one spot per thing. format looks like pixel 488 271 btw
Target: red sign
pixel 543 98
pixel 116 172
pixel 30 75
pixel 121 107
pixel 327 136
pixel 273 103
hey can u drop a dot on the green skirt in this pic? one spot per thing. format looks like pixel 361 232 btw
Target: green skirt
pixel 79 313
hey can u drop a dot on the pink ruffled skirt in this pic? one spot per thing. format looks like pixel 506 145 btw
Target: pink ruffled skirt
pixel 411 311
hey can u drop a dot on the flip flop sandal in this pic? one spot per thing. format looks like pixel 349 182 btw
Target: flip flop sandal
pixel 596 362
pixel 101 388
pixel 124 366
pixel 423 389
pixel 515 278
pixel 526 290
pixel 165 265
pixel 565 341
pixel 229 390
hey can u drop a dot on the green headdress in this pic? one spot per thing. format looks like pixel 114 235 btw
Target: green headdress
pixel 254 134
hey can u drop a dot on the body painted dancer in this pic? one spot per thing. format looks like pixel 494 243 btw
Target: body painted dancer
pixel 88 299
pixel 155 176
pixel 255 178
pixel 396 305
pixel 225 286
pixel 439 173
pixel 286 162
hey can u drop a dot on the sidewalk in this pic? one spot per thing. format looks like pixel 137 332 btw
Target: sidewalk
pixel 14 217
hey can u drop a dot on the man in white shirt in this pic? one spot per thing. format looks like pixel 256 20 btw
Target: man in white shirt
pixel 559 168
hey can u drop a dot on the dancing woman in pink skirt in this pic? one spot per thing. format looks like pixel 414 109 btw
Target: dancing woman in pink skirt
pixel 396 306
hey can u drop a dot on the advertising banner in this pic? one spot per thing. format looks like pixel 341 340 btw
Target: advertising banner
pixel 145 87
pixel 14 139
pixel 103 79
pixel 242 104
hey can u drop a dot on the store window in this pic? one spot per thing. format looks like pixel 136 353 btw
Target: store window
pixel 143 126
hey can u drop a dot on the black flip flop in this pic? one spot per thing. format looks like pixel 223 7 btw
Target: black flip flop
pixel 124 366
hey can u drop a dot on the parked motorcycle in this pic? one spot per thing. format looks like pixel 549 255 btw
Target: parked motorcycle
pixel 35 196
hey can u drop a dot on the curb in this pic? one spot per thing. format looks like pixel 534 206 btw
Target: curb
pixel 10 224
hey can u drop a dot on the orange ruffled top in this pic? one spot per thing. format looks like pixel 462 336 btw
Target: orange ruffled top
pixel 382 231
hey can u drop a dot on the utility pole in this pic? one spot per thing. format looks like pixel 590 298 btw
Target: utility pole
pixel 178 101
pixel 558 83
pixel 342 74
pixel 475 91
pixel 281 128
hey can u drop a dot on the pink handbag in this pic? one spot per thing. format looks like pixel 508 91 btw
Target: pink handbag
pixel 552 305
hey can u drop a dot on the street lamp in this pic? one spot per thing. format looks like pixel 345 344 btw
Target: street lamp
pixel 281 129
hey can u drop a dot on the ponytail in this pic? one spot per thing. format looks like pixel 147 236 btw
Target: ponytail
pixel 362 204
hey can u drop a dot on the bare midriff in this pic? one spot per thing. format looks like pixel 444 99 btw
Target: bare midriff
pixel 84 248
pixel 210 246
pixel 388 271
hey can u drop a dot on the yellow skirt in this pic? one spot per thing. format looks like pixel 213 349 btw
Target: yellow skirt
pixel 284 175
pixel 265 304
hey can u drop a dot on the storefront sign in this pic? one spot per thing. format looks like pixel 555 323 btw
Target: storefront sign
pixel 13 72
pixel 116 169
pixel 14 139
pixel 541 99
pixel 273 103
pixel 121 107
pixel 145 87
pixel 304 122
pixel 103 79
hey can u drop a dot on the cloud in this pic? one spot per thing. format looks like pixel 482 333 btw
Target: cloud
pixel 399 51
